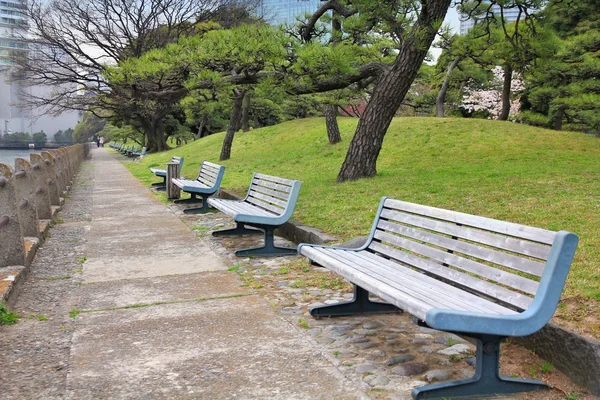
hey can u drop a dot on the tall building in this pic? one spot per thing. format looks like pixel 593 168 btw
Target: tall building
pixel 13 28
pixel 283 11
pixel 510 15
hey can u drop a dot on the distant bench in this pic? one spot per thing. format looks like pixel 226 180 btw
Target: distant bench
pixel 270 203
pixel 206 184
pixel 163 172
pixel 479 277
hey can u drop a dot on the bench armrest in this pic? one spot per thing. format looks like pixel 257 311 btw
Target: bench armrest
pixel 367 242
pixel 531 320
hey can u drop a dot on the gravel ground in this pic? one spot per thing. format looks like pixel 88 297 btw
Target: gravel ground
pixel 34 353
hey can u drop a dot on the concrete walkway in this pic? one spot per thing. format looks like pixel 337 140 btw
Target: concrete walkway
pixel 169 320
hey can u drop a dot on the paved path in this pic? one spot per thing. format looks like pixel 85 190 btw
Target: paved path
pixel 126 301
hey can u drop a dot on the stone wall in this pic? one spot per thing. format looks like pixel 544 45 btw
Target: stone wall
pixel 30 195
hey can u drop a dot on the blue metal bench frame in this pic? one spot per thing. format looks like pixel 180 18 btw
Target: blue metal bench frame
pixel 270 203
pixel 206 184
pixel 163 173
pixel 481 292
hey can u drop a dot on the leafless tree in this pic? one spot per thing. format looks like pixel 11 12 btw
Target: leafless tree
pixel 71 42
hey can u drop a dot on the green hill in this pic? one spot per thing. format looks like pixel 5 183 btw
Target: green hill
pixel 497 169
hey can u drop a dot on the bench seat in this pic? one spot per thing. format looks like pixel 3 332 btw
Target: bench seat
pixel 269 203
pixel 479 277
pixel 404 287
pixel 206 184
pixel 162 173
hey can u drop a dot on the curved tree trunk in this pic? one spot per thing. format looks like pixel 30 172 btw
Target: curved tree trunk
pixel 506 92
pixel 155 135
pixel 333 130
pixel 441 97
pixel 390 89
pixel 246 113
pixel 234 123
pixel 200 133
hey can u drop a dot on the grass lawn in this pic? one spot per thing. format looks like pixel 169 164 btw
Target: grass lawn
pixel 496 169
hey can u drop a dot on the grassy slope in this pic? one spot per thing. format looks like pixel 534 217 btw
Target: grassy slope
pixel 496 169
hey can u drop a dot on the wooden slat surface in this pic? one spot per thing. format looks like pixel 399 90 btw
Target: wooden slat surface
pixel 459 279
pixel 497 275
pixel 506 228
pixel 271 185
pixel 276 179
pixel 262 204
pixel 518 246
pixel 207 173
pixel 232 208
pixel 269 199
pixel 414 291
pixel 487 254
pixel 274 193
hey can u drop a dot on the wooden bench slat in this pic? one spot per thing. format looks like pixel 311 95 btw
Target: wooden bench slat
pixel 506 228
pixel 458 278
pixel 271 185
pixel 416 307
pixel 205 181
pixel 527 248
pixel 208 180
pixel 268 199
pixel 212 165
pixel 443 292
pixel 487 254
pixel 428 291
pixel 506 278
pixel 276 179
pixel 234 207
pixel 402 279
pixel 208 174
pixel 274 193
pixel 266 206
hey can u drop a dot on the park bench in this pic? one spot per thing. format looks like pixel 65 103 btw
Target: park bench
pixel 137 154
pixel 163 172
pixel 207 184
pixel 269 204
pixel 478 277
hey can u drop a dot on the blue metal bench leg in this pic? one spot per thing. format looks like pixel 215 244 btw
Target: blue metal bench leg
pixel 192 199
pixel 161 186
pixel 269 248
pixel 360 304
pixel 486 382
pixel 199 210
pixel 240 229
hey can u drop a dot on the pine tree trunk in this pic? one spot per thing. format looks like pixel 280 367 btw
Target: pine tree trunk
pixel 441 97
pixel 246 113
pixel 200 133
pixel 560 115
pixel 234 123
pixel 506 92
pixel 390 89
pixel 333 130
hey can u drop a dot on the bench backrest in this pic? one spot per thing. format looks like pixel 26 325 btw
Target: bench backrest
pixel 497 260
pixel 211 174
pixel 274 194
pixel 175 160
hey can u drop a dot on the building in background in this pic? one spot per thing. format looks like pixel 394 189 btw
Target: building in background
pixel 510 15
pixel 13 27
pixel 278 12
